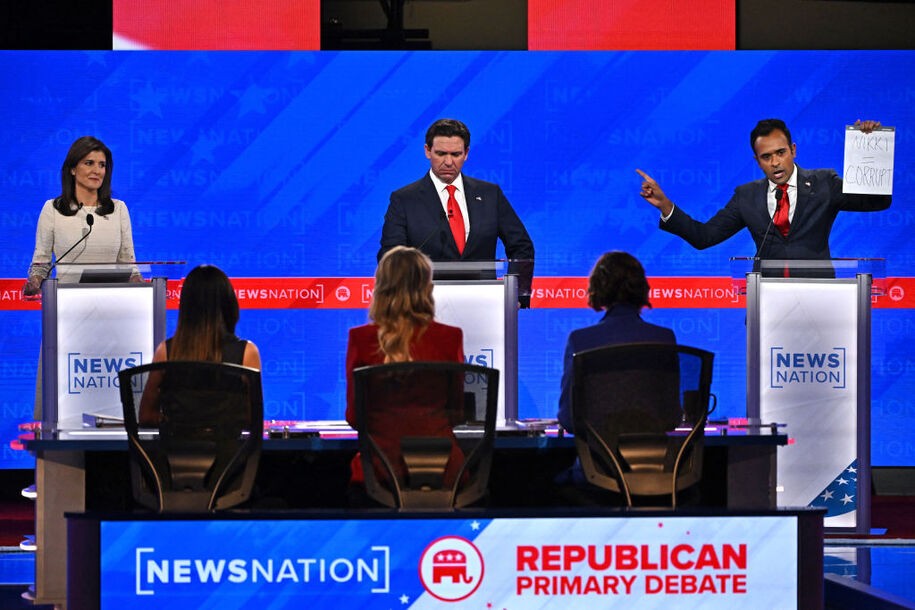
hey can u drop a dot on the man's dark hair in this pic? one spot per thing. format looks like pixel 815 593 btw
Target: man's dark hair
pixel 618 277
pixel 448 128
pixel 765 127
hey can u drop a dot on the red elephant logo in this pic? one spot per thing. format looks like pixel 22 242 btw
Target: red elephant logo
pixel 452 565
pixel 451 568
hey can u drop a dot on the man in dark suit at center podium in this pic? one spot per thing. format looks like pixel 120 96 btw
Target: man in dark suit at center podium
pixel 453 217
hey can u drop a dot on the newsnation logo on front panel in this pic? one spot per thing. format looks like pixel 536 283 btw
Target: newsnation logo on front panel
pixel 462 563
pixel 794 368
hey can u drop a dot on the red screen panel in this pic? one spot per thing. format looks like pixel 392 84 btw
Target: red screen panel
pixel 631 24
pixel 217 24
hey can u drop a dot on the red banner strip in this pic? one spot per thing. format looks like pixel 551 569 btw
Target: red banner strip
pixel 548 293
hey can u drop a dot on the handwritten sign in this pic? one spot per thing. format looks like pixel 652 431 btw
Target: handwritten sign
pixel 869 161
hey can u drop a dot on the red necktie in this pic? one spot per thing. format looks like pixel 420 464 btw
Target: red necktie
pixel 455 219
pixel 780 219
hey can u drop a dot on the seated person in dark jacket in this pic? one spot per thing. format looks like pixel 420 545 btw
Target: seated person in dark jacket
pixel 618 287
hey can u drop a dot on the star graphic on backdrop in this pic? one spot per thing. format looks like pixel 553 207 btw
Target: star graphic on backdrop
pixel 628 216
pixel 851 469
pixel 847 499
pixel 827 495
pixel 404 600
pixel 842 481
pixel 147 101
pixel 203 149
pixel 475 526
pixel 251 99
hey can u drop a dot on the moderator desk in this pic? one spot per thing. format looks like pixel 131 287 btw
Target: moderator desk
pixel 567 559
pixel 80 470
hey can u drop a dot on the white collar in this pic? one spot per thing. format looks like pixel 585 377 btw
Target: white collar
pixel 440 185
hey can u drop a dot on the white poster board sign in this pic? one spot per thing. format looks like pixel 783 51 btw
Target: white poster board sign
pixel 808 380
pixel 869 161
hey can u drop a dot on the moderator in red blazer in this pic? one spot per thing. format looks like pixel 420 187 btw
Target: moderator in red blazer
pixel 439 342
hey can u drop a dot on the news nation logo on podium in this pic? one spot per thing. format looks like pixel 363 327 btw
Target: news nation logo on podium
pixel 97 372
pixel 826 367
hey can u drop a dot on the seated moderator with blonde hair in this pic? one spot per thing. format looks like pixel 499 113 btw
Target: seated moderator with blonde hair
pixel 402 327
pixel 207 315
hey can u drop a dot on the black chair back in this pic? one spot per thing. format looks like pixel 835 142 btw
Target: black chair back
pixel 201 449
pixel 426 432
pixel 639 412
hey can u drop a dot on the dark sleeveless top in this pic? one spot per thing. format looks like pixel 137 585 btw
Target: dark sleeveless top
pixel 233 349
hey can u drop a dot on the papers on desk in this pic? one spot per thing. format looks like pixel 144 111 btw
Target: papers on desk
pixel 332 429
pixel 92 434
pixel 341 429
pixel 687 429
pixel 102 420
pixel 305 429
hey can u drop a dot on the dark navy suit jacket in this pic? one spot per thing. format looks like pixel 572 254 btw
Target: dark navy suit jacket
pixel 415 218
pixel 621 324
pixel 819 200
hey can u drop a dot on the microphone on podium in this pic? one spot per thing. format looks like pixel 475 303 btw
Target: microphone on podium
pixel 778 198
pixel 90 220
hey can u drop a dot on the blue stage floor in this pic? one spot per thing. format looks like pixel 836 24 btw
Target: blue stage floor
pixel 886 568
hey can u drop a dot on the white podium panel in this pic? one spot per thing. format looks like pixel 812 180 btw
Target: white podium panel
pixel 808 342
pixel 90 332
pixel 490 330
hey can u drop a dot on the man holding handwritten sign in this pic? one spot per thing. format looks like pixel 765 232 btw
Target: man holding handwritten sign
pixel 798 229
pixel 869 160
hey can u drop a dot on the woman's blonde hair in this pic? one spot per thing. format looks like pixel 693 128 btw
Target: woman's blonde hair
pixel 402 303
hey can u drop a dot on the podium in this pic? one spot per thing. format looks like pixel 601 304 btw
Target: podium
pixel 481 298
pixel 95 323
pixel 91 327
pixel 808 366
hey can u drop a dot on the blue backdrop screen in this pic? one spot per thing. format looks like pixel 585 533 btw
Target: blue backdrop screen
pixel 278 164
